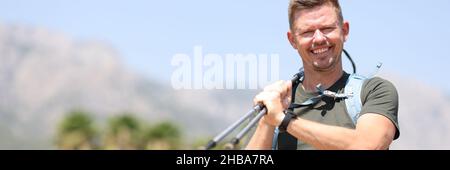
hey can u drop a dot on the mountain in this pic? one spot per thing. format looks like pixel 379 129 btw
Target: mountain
pixel 45 74
pixel 424 113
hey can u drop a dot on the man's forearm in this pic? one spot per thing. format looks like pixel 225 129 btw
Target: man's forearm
pixel 318 135
pixel 322 136
pixel 262 139
pixel 373 131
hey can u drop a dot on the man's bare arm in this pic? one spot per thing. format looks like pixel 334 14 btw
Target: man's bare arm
pixel 262 139
pixel 373 131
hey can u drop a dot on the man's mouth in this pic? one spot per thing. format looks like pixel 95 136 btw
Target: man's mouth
pixel 321 50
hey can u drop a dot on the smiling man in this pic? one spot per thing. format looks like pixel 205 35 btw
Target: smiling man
pixel 318 32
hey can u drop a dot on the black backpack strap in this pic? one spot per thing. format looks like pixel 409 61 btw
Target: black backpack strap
pixel 285 140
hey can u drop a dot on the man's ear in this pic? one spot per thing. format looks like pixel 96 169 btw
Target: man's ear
pixel 346 30
pixel 291 39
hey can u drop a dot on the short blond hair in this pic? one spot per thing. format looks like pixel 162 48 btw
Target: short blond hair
pixel 298 5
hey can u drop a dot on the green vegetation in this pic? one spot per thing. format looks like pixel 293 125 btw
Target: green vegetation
pixel 77 130
pixel 164 135
pixel 125 131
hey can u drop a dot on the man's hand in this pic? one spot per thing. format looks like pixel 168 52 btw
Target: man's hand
pixel 276 97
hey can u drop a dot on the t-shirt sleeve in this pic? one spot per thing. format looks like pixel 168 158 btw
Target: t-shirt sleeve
pixel 380 96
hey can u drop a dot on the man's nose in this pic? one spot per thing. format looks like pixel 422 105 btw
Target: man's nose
pixel 319 38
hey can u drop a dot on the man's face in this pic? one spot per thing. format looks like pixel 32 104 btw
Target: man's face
pixel 319 37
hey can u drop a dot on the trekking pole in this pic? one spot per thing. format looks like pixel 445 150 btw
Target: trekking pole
pixel 212 143
pixel 259 108
pixel 235 141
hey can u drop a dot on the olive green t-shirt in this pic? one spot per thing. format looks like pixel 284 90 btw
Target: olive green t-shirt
pixel 377 96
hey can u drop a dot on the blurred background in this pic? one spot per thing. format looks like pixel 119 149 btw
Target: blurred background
pixel 96 74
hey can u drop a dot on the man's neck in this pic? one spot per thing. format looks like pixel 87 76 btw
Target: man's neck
pixel 325 78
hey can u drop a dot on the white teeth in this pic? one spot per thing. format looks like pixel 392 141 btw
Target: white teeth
pixel 321 50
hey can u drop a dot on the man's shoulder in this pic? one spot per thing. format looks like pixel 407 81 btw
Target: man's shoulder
pixel 377 88
pixel 376 83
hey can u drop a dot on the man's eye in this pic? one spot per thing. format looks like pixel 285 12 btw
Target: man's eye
pixel 328 30
pixel 307 34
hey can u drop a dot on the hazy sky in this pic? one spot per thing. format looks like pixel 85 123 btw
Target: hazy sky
pixel 409 36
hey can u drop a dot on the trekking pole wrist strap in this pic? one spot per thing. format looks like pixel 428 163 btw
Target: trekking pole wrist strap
pixel 289 115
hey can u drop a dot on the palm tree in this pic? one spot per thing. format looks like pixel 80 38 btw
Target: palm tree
pixel 123 132
pixel 76 131
pixel 164 135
